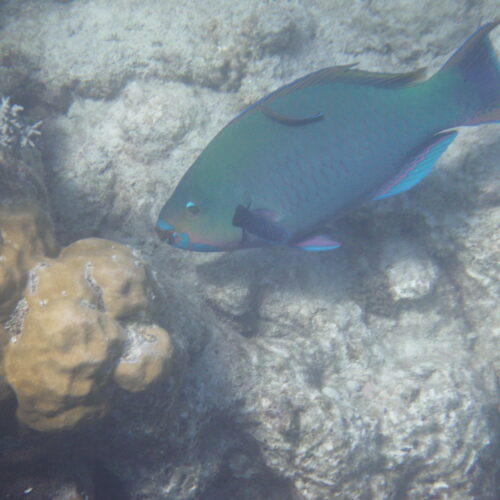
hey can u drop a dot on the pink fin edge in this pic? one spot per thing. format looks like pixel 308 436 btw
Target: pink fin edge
pixel 317 243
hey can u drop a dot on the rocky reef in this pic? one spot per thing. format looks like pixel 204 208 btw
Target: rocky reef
pixel 369 372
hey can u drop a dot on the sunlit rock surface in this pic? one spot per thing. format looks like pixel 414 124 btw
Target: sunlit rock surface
pixel 368 372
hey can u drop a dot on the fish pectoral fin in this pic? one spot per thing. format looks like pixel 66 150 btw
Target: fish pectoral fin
pixel 290 120
pixel 317 243
pixel 418 166
pixel 260 223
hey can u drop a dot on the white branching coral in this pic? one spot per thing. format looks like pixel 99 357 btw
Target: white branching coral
pixel 13 131
pixel 21 170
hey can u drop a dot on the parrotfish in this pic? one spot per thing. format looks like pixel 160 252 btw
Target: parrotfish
pixel 323 145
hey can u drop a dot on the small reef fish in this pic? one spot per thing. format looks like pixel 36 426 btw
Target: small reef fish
pixel 323 145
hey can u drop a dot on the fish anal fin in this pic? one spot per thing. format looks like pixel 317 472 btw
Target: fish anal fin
pixel 291 120
pixel 418 166
pixel 317 243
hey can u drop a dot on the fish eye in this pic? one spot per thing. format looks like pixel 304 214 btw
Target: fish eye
pixel 192 208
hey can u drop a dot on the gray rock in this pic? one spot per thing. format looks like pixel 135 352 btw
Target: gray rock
pixel 410 272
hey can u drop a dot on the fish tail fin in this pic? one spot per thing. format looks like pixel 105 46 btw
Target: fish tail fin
pixel 479 74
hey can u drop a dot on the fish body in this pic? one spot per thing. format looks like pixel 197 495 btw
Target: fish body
pixel 326 144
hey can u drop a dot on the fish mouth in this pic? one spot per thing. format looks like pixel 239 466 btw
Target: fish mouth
pixel 178 240
pixel 166 235
pixel 164 231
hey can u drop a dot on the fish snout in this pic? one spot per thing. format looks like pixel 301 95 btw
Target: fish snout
pixel 167 235
pixel 166 232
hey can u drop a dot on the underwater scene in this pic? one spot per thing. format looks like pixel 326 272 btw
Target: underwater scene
pixel 249 250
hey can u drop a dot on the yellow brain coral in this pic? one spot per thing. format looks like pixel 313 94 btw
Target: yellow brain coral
pixel 26 235
pixel 148 354
pixel 59 366
pixel 124 280
pixel 85 319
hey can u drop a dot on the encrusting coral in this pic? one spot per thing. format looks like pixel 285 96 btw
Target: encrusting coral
pixel 26 236
pixel 86 318
pixel 144 360
pixel 60 365
pixel 126 289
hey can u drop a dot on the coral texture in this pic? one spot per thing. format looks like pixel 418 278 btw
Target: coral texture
pixel 26 236
pixel 85 315
pixel 59 365
pixel 148 355
pixel 20 161
pixel 13 132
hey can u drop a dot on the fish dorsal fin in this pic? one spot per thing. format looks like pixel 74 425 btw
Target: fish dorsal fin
pixel 418 166
pixel 349 74
pixel 333 74
pixel 387 80
pixel 346 74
